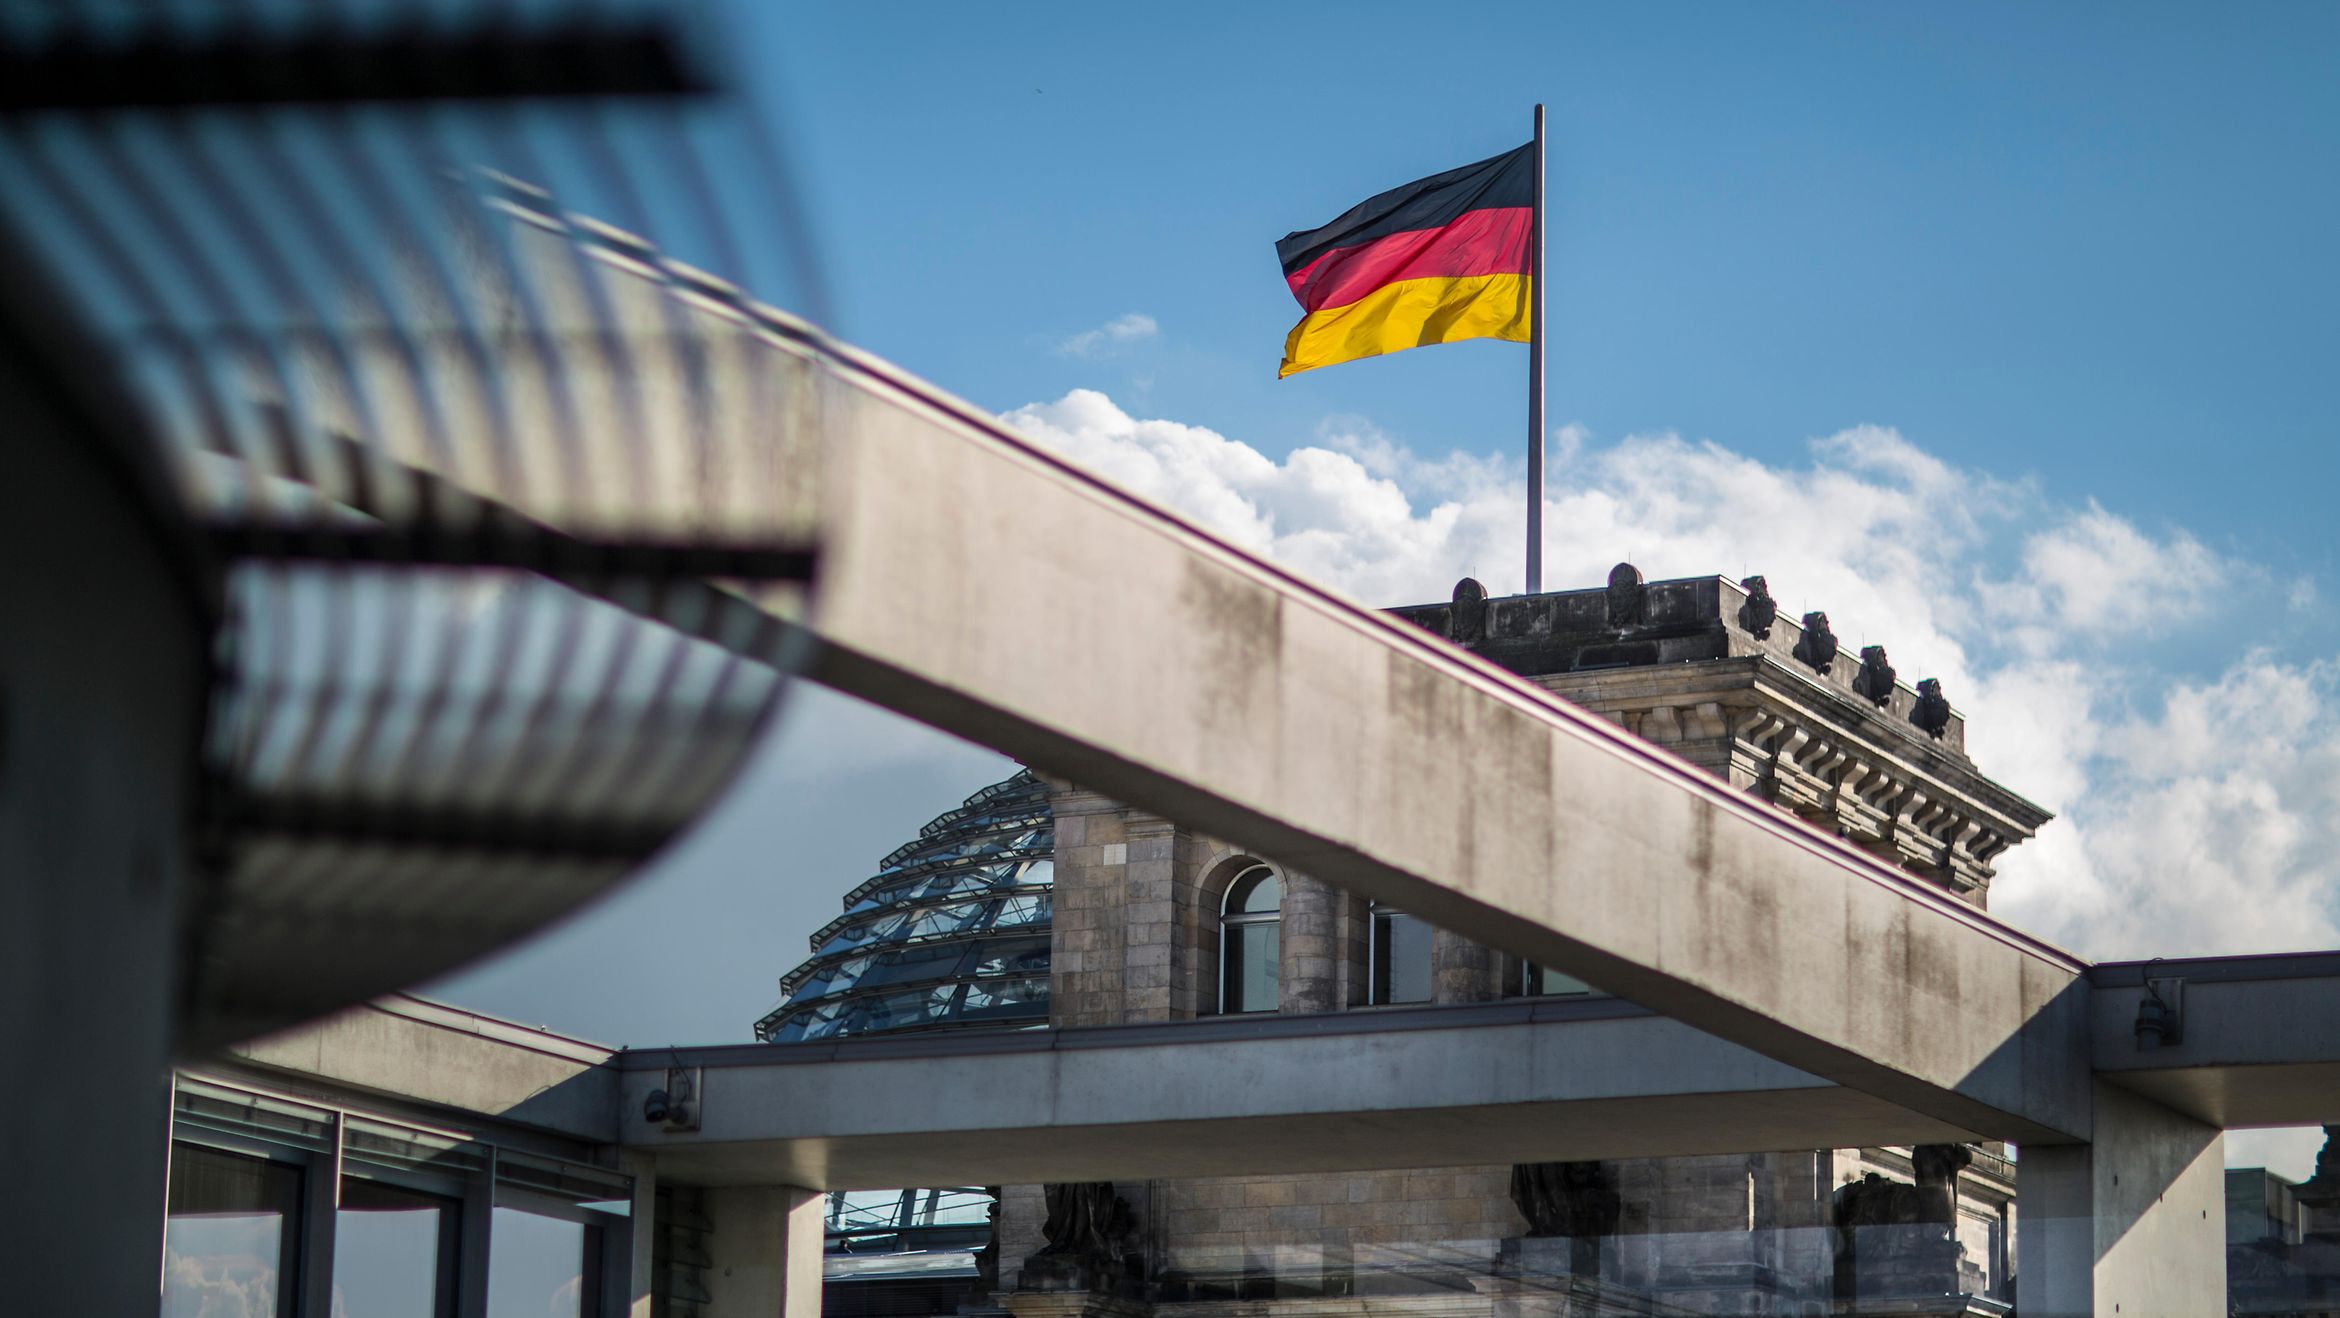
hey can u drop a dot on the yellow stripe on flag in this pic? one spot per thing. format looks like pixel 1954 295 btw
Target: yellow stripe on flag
pixel 1411 313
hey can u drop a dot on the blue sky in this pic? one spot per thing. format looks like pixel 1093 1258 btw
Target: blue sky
pixel 2004 333
pixel 2087 242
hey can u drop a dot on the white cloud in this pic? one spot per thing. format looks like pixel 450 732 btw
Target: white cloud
pixel 2284 1150
pixel 1112 334
pixel 2099 574
pixel 2197 811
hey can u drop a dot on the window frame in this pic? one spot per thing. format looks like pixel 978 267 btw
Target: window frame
pixel 1248 875
pixel 1376 915
pixel 474 1193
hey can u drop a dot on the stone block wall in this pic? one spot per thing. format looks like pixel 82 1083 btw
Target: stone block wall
pixel 1089 969
pixel 1323 1230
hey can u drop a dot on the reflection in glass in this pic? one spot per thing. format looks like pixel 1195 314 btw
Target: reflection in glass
pixel 224 1241
pixel 1255 892
pixel 1250 932
pixel 960 908
pixel 536 1266
pixel 393 1252
pixel 1401 957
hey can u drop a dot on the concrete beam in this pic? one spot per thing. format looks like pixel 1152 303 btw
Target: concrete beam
pixel 1422 1087
pixel 2261 1039
pixel 424 1052
pixel 1187 677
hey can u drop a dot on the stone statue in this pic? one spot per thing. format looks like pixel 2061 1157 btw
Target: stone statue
pixel 2322 1190
pixel 1872 1201
pixel 1760 610
pixel 1625 596
pixel 1818 644
pixel 1932 711
pixel 1875 680
pixel 2328 1159
pixel 1085 1220
pixel 1568 1199
pixel 1466 618
pixel 1937 1167
pixel 987 1257
pixel 1894 1238
pixel 1565 1198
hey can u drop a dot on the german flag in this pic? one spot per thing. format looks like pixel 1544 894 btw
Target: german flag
pixel 1439 260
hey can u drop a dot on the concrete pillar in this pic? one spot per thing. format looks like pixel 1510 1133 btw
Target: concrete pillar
pixel 102 688
pixel 1462 970
pixel 641 1235
pixel 764 1252
pixel 1308 960
pixel 2130 1226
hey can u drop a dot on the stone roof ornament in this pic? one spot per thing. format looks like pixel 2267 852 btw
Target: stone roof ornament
pixel 1466 618
pixel 1626 596
pixel 1760 610
pixel 1875 680
pixel 1932 712
pixel 1817 647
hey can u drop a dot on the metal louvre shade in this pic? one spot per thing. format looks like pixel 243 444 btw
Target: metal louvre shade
pixel 503 503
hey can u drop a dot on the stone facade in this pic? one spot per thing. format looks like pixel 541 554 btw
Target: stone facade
pixel 1705 668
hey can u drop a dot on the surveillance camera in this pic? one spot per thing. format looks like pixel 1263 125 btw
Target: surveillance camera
pixel 654 1108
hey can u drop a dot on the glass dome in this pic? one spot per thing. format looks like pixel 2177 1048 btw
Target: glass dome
pixel 952 931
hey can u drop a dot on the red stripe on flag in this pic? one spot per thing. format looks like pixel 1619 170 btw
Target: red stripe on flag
pixel 1480 242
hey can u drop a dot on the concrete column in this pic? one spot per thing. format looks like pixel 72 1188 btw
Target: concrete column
pixel 1309 957
pixel 641 1235
pixel 101 692
pixel 1462 970
pixel 2130 1226
pixel 764 1252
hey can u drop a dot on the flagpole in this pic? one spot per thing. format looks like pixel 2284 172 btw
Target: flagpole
pixel 1535 490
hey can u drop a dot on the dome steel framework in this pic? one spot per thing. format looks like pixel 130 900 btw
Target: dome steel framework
pixel 952 931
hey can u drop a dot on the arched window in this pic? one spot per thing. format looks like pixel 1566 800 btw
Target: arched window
pixel 1249 928
pixel 1401 956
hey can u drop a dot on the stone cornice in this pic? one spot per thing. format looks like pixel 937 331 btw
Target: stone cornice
pixel 1812 750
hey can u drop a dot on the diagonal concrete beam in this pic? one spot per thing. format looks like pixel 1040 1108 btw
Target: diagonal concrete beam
pixel 984 586
pixel 992 590
pixel 1427 1087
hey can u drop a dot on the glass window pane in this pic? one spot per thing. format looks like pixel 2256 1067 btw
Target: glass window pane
pixel 1401 958
pixel 224 1242
pixel 1551 983
pixel 1255 892
pixel 536 1266
pixel 1250 972
pixel 393 1252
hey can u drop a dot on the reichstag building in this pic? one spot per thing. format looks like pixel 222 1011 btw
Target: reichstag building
pixel 1037 901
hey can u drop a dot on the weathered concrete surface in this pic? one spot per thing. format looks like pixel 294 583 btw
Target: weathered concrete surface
pixel 102 685
pixel 2261 1045
pixel 764 1253
pixel 1419 1087
pixel 424 1052
pixel 1196 681
pixel 2133 1224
